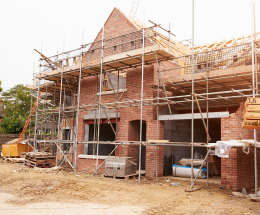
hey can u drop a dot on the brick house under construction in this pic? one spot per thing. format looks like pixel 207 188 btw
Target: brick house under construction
pixel 222 77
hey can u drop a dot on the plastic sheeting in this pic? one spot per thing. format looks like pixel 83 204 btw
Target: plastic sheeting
pixel 222 150
pixel 184 171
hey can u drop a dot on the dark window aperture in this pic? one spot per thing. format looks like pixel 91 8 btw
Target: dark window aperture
pixel 106 134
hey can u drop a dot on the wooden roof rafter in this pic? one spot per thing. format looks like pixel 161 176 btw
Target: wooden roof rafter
pixel 225 43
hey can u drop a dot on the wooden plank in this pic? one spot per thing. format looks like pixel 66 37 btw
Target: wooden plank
pixel 251 115
pixel 251 124
pixel 123 57
pixel 255 200
pixel 40 165
pixel 15 160
pixel 158 141
pixel 198 188
pixel 252 108
pixel 212 74
pixel 252 101
pixel 126 177
pixel 142 172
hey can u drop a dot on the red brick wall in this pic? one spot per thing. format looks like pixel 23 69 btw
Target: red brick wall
pixel 116 25
pixel 86 164
pixel 237 170
pixel 166 73
pixel 231 127
pixel 133 85
pixel 150 163
pixel 89 165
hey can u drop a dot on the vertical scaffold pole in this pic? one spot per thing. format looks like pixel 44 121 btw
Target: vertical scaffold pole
pixel 100 90
pixel 141 117
pixel 60 102
pixel 256 66
pixel 63 118
pixel 45 126
pixel 95 122
pixel 30 125
pixel 37 106
pixel 253 80
pixel 192 100
pixel 117 99
pixel 53 122
pixel 157 123
pixel 78 100
pixel 207 127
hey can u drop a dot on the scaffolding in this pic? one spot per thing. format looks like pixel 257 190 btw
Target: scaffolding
pixel 59 95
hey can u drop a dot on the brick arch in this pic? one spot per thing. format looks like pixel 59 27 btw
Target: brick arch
pixel 135 117
pixel 138 119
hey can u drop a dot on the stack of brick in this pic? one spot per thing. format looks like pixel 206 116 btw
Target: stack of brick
pixel 120 166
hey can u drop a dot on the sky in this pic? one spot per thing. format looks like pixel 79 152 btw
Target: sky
pixel 48 25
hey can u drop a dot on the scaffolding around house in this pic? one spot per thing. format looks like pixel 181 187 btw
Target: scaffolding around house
pixel 221 78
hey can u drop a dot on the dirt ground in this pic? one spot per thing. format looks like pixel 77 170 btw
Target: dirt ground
pixel 45 191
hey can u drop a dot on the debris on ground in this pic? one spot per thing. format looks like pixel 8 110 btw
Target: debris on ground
pixel 15 160
pixel 40 170
pixel 52 185
pixel 174 184
pixel 49 170
pixel 238 194
pixel 244 191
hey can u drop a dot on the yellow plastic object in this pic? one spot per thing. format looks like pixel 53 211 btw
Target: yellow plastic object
pixel 15 149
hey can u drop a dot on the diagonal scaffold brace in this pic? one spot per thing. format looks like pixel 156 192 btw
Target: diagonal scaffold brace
pixel 65 157
pixel 199 171
pixel 71 150
pixel 105 160
pixel 208 137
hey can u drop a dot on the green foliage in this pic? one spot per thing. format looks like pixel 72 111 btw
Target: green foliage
pixel 13 124
pixel 17 101
pixel 1 89
pixel 17 107
pixel 2 131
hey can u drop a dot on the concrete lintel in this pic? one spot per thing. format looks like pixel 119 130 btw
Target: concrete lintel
pixel 102 115
pixel 196 116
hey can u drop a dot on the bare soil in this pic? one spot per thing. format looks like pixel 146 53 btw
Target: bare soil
pixel 30 191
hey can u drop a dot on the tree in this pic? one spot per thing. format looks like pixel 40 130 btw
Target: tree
pixel 13 124
pixel 1 89
pixel 17 106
